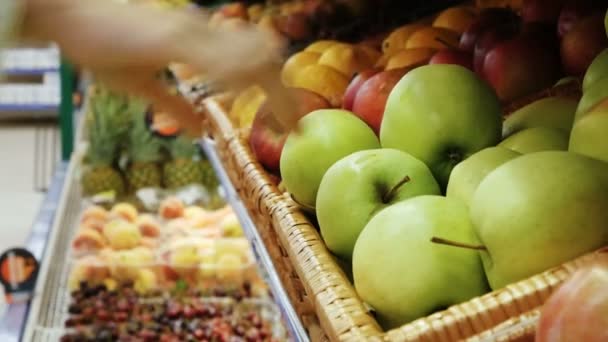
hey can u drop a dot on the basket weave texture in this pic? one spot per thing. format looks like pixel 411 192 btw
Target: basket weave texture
pixel 321 292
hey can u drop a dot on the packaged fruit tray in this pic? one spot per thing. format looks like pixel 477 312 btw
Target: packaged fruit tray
pixel 181 245
pixel 123 315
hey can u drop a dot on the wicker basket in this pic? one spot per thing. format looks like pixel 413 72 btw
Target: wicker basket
pixel 319 289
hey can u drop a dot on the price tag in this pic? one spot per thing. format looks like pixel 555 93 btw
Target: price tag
pixel 18 271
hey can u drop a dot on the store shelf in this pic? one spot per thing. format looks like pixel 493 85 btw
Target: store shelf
pixel 12 324
pixel 268 270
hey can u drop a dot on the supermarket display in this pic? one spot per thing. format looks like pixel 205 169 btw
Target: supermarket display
pixel 475 103
pixel 447 175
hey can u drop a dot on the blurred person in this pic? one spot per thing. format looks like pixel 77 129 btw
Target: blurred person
pixel 126 45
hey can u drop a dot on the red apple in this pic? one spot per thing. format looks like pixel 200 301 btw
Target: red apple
pixel 545 11
pixel 234 10
pixel 575 10
pixel 372 96
pixel 577 310
pixel 488 18
pixel 582 44
pixel 267 137
pixel 519 67
pixel 488 40
pixel 457 57
pixel 355 85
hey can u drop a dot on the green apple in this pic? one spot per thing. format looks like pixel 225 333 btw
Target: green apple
pixel 538 211
pixel 597 70
pixel 467 175
pixel 553 112
pixel 325 136
pixel 591 97
pixel 355 188
pixel 536 139
pixel 402 274
pixel 441 114
pixel 588 135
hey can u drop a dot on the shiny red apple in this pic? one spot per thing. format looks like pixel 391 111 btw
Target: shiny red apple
pixel 267 137
pixel 371 98
pixel 488 40
pixel 355 85
pixel 487 19
pixel 519 67
pixel 578 310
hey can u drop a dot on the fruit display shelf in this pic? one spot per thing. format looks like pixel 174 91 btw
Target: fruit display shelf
pixel 316 281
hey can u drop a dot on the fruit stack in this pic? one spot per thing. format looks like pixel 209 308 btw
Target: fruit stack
pixel 435 198
pixel 191 246
pixel 117 129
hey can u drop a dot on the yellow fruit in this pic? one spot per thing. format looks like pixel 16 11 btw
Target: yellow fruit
pixel 145 282
pixel 110 284
pixel 409 58
pixel 433 37
pixel 397 40
pixel 321 45
pixel 125 211
pixel 296 63
pixel 323 80
pixel 122 234
pixel 246 105
pixel 229 266
pixel 457 19
pixel 125 265
pixel 346 59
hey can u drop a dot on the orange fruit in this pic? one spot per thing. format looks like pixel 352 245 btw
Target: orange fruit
pixel 433 37
pixel 296 63
pixel 397 40
pixel 457 19
pixel 410 57
pixel 323 80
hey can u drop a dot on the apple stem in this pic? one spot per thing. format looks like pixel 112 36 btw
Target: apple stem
pixel 442 41
pixel 389 195
pixel 457 244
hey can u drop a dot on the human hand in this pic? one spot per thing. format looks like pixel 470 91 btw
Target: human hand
pixel 126 45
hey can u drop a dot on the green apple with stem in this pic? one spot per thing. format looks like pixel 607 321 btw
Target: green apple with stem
pixel 552 112
pixel 402 274
pixel 467 175
pixel 536 139
pixel 538 211
pixel 324 137
pixel 358 186
pixel 588 136
pixel 441 114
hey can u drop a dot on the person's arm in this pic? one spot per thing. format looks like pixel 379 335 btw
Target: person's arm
pixel 125 45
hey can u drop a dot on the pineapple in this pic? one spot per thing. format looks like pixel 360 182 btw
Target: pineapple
pixel 105 131
pixel 209 179
pixel 145 154
pixel 184 168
